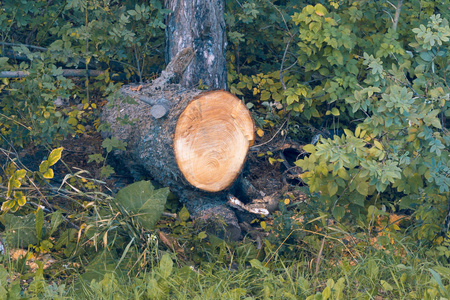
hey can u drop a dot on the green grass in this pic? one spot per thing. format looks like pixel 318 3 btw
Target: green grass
pixel 401 270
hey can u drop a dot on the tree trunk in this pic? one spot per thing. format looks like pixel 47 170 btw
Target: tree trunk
pixel 198 24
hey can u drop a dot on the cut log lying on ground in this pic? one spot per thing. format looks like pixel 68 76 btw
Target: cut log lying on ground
pixel 204 139
pixel 197 147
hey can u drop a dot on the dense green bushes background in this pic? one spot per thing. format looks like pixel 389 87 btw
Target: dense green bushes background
pixel 362 84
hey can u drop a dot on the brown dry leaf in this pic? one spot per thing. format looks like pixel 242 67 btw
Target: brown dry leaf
pixel 170 242
pixel 31 259
pixel 102 103
pixel 136 89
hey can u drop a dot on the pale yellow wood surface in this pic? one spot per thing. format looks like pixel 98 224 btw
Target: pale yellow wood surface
pixel 212 138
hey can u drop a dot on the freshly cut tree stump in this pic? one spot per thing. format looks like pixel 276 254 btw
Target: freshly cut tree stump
pixel 212 138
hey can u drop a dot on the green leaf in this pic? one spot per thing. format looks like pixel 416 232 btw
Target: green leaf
pixel 54 156
pixel 10 205
pixel 258 265
pixel 20 174
pixel 14 181
pixel 56 220
pixel 100 265
pixel 39 222
pixel 72 121
pixel 309 148
pixel 363 188
pixel 438 279
pixel 265 95
pixel 142 200
pixel 378 144
pixel 326 293
pixel 320 10
pixel 20 231
pixel 48 174
pixel 426 56
pixel 20 198
pixel 165 266
pixel 106 171
pixel 43 167
pixel 332 188
pixel 348 132
pixel 339 212
pixel 97 157
pixel 342 173
pixel 3 283
pixel 3 61
pixel 127 248
pixel 335 112
pixel 386 286
pixel 184 214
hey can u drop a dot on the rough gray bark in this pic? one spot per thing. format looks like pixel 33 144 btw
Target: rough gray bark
pixel 198 24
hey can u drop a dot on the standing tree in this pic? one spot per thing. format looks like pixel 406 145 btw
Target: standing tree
pixel 200 25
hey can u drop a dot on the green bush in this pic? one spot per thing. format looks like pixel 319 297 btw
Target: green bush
pixel 75 35
pixel 400 147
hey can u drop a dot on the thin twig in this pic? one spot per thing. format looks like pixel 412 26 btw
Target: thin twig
pixel 137 62
pixel 282 125
pixel 291 37
pixel 284 20
pixel 319 256
pixel 390 16
pixel 282 63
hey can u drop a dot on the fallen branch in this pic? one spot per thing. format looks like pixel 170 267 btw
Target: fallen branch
pixel 28 46
pixel 257 210
pixel 65 73
pixel 117 66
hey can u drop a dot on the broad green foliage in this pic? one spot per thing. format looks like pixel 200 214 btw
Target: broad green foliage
pixel 113 36
pixel 20 231
pixel 330 40
pixel 31 231
pixel 400 145
pixel 351 65
pixel 140 199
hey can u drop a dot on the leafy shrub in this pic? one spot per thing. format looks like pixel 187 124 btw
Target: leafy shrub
pixel 400 146
pixel 79 35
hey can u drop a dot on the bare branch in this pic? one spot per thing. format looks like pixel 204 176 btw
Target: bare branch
pixel 397 14
pixel 282 63
pixel 65 73
pixel 28 46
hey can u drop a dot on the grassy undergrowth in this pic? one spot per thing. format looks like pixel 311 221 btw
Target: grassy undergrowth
pixel 90 244
pixel 377 275
pixel 179 260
